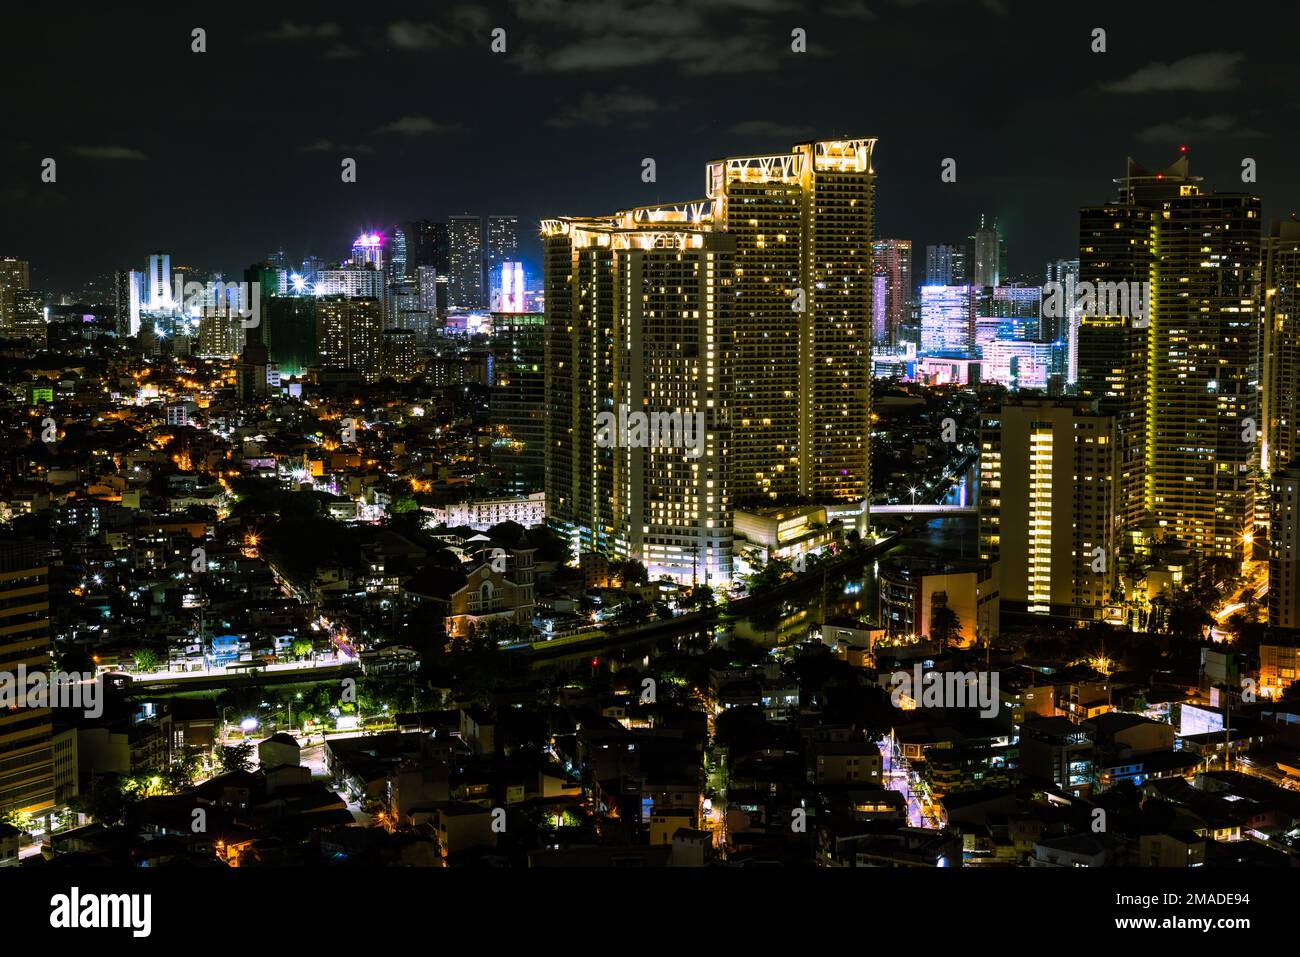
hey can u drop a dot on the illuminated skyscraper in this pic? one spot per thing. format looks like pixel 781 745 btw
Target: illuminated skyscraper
pixel 158 297
pixel 518 401
pixel 14 275
pixel 1048 509
pixel 1179 367
pixel 1280 419
pixel 26 733
pixel 945 265
pixel 990 254
pixel 398 258
pixel 465 262
pixel 803 223
pixel 506 287
pixel 948 320
pixel 1284 548
pixel 1064 328
pixel 638 321
pixel 892 260
pixel 502 242
pixel 401 358
pixel 426 281
pixel 368 251
pixel 350 335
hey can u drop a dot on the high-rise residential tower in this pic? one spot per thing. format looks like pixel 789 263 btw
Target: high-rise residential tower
pixel 350 335
pixel 638 323
pixel 26 733
pixel 1280 418
pixel 803 223
pixel 1048 509
pixel 14 276
pixel 465 262
pixel 990 255
pixel 1170 344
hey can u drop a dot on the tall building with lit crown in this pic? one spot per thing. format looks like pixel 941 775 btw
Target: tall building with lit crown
pixel 638 322
pixel 465 262
pixel 1048 510
pixel 1280 415
pixel 803 224
pixel 1178 364
pixel 26 733
pixel 368 251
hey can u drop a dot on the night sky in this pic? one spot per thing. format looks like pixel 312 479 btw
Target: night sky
pixel 221 157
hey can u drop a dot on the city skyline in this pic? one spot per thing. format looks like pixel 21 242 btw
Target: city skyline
pixel 409 460
pixel 422 156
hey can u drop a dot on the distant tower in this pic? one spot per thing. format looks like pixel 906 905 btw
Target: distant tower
pixel 1171 345
pixel 465 262
pixel 368 251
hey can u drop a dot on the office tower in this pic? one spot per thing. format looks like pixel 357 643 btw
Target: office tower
pixel 506 287
pixel 518 401
pixel 948 320
pixel 350 335
pixel 158 280
pixel 26 733
pixel 465 262
pixel 14 276
pixel 1184 377
pixel 399 253
pixel 278 260
pixel 988 245
pixel 502 241
pixel 1115 253
pixel 221 329
pixel 312 266
pixel 1018 310
pixel 1064 328
pixel 1284 548
pixel 945 265
pixel 121 303
pixel 891 259
pixel 29 316
pixel 368 252
pixel 802 222
pixel 1048 509
pixel 638 321
pixel 401 359
pixel 1280 417
pixel 362 282
pixel 426 281
pixel 290 333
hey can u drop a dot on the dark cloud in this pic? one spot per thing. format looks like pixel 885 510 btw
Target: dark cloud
pixel 109 153
pixel 1199 73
